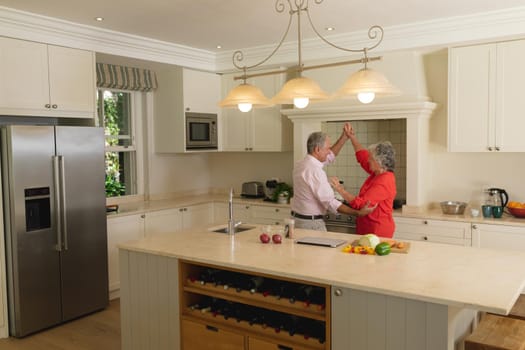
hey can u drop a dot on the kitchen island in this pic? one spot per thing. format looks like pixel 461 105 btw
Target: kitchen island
pixel 426 299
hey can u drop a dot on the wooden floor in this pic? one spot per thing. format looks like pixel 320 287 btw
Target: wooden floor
pixel 99 331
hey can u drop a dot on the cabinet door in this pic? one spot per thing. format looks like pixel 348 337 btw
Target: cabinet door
pixel 163 221
pixel 72 81
pixel 197 215
pixel 242 212
pixel 121 229
pixel 510 105
pixel 24 86
pixel 235 130
pixel 457 233
pixel 266 126
pixel 201 91
pixel 269 215
pixel 220 213
pixel 471 98
pixel 201 336
pixel 498 237
pixel 261 129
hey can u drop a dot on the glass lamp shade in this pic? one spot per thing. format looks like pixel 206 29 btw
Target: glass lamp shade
pixel 300 91
pixel 244 97
pixel 366 84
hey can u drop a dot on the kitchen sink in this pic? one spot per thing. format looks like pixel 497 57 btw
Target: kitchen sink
pixel 238 229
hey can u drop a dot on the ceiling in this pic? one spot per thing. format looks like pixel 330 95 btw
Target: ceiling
pixel 236 24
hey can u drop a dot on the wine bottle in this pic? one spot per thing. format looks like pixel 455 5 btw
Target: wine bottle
pixel 255 283
pixel 208 276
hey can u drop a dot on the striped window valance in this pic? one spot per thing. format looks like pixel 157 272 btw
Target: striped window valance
pixel 125 78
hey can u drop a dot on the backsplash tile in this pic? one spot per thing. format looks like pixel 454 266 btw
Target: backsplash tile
pixel 368 132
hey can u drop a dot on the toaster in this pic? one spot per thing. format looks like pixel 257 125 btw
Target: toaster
pixel 253 189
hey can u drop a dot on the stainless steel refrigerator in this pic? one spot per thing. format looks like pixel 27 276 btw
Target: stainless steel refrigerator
pixel 55 224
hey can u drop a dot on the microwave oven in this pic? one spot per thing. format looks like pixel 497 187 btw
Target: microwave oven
pixel 201 130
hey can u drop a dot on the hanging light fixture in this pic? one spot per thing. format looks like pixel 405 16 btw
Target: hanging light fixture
pixel 365 84
pixel 245 97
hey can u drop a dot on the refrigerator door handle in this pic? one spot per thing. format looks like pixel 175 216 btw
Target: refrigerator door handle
pixel 61 164
pixel 58 206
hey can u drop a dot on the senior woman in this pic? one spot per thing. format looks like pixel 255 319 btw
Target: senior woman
pixel 379 188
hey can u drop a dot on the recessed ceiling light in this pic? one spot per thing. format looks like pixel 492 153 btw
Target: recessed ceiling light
pixel 219 46
pixel 99 19
pixel 329 29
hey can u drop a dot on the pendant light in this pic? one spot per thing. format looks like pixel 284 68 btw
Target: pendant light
pixel 365 84
pixel 245 96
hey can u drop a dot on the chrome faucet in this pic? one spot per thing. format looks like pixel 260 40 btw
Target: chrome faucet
pixel 231 223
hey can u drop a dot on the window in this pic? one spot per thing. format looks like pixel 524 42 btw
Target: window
pixel 119 114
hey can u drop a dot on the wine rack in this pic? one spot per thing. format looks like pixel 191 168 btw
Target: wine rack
pixel 285 312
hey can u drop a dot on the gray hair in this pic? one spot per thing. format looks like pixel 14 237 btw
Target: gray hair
pixel 316 139
pixel 384 154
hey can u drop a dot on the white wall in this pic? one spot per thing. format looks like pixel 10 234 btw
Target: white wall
pixel 232 169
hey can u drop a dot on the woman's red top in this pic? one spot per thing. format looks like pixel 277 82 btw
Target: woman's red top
pixel 380 189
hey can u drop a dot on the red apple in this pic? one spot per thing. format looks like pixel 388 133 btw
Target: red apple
pixel 277 238
pixel 264 238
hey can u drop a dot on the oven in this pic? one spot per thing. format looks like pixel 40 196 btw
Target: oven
pixel 201 131
pixel 340 222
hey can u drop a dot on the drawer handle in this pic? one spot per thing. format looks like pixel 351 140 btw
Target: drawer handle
pixel 338 292
pixel 425 238
pixel 47 105
pixel 283 347
pixel 474 226
pixel 425 222
pixel 211 328
pixel 277 210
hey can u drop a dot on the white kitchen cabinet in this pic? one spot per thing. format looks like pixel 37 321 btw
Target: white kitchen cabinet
pixel 269 215
pixel 121 229
pixel 163 221
pixel 449 232
pixel 241 212
pixel 261 129
pixel 197 215
pixel 182 90
pixel 132 227
pixel 46 80
pixel 251 213
pixel 173 220
pixel 485 105
pixel 201 91
pixel 498 237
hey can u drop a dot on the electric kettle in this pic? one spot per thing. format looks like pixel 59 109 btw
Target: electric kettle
pixel 499 196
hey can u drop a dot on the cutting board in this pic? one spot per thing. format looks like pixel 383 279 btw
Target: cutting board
pixel 393 245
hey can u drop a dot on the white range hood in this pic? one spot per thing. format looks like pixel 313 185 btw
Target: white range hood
pixel 417 112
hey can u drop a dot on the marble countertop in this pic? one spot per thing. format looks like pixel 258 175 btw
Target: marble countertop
pixel 481 279
pixel 436 214
pixel 141 207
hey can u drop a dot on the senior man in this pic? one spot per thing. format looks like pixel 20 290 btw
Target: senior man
pixel 313 194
